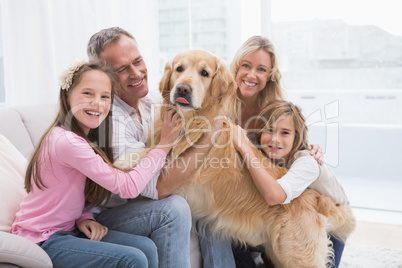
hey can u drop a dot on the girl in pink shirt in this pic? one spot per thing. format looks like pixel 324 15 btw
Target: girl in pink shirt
pixel 71 169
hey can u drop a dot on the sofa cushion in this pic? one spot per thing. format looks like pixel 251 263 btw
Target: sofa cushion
pixel 19 251
pixel 37 118
pixel 12 172
pixel 13 128
pixel 195 252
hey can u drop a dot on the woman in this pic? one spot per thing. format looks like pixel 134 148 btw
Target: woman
pixel 255 69
pixel 256 72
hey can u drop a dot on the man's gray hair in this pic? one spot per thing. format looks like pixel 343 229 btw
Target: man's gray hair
pixel 101 39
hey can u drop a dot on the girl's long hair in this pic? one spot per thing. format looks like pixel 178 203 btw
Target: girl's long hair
pixel 276 109
pixel 99 138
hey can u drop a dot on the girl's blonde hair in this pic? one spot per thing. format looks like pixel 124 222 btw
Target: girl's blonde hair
pixel 98 138
pixel 276 109
pixel 273 89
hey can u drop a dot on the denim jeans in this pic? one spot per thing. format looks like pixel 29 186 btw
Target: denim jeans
pixel 116 249
pixel 216 251
pixel 167 222
pixel 338 247
pixel 243 255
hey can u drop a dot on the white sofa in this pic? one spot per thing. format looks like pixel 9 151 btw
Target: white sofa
pixel 20 130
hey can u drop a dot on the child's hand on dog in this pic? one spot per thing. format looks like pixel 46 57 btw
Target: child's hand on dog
pixel 240 139
pixel 169 131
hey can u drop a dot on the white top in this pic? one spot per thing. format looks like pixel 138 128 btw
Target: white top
pixel 130 135
pixel 304 172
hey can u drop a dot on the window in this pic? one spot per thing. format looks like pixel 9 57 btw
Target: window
pixel 190 24
pixel 341 62
pixel 2 89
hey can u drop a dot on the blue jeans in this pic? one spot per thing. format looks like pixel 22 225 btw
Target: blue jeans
pixel 116 249
pixel 167 222
pixel 244 255
pixel 216 251
pixel 338 247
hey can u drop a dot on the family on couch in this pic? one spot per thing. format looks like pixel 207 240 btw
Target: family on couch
pixel 71 169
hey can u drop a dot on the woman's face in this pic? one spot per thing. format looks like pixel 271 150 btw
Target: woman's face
pixel 90 99
pixel 253 73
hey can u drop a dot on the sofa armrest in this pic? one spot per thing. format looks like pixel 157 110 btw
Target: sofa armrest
pixel 19 251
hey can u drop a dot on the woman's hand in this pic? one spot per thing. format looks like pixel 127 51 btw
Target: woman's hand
pixel 316 152
pixel 169 132
pixel 92 229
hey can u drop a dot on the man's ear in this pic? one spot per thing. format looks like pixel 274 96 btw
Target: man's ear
pixel 164 86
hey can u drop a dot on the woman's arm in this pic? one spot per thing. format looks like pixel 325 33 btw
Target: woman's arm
pixel 269 188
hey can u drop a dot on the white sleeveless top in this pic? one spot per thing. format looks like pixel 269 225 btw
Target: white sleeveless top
pixel 304 172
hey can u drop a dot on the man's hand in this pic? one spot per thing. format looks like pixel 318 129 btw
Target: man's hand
pixel 92 229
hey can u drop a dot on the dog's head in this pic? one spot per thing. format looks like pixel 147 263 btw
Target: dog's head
pixel 196 79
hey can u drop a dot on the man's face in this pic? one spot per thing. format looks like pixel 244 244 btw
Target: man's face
pixel 125 58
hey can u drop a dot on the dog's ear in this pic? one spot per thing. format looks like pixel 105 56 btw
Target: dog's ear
pixel 164 87
pixel 224 89
pixel 223 83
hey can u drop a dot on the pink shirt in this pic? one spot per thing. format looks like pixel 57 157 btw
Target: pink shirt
pixel 68 159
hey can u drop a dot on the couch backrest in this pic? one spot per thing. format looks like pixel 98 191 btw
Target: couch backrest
pixel 24 125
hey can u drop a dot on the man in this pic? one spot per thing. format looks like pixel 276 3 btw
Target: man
pixel 166 221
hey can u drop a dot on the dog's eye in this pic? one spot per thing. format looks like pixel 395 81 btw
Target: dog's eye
pixel 204 73
pixel 179 69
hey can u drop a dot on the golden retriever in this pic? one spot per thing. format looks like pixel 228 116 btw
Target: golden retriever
pixel 221 193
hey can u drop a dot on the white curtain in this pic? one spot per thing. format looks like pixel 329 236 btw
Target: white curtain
pixel 42 37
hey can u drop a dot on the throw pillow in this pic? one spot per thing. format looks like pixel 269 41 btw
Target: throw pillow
pixel 13 248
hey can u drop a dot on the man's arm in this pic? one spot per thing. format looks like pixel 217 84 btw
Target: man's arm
pixel 189 162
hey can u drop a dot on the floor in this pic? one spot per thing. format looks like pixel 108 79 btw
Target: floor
pixel 378 228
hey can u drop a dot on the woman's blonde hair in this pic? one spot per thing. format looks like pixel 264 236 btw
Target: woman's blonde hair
pixel 276 109
pixel 273 89
pixel 98 138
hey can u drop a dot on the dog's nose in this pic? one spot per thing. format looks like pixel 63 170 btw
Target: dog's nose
pixel 183 89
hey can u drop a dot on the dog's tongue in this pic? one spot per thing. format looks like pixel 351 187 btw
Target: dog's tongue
pixel 182 100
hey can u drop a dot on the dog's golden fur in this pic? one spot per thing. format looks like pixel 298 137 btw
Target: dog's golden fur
pixel 222 194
